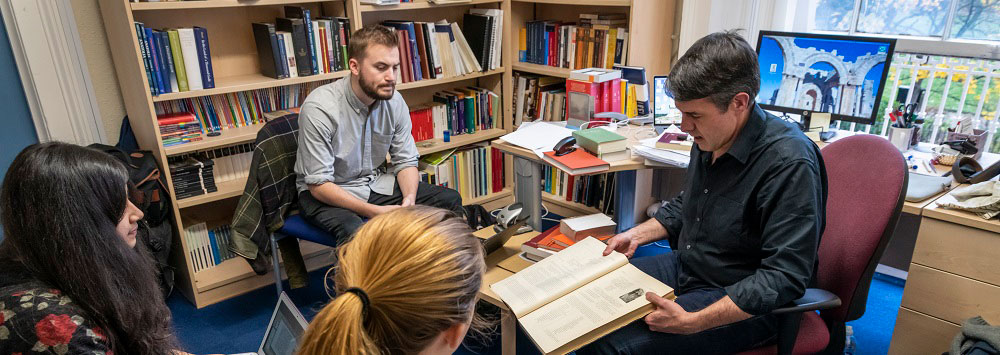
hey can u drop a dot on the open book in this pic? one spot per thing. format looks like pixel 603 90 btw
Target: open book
pixel 577 295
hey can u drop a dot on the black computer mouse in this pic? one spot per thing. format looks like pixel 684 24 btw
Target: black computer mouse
pixel 565 146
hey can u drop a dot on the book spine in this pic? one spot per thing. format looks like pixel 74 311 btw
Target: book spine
pixel 204 58
pixel 178 57
pixel 140 34
pixel 310 32
pixel 190 52
pixel 157 69
pixel 168 56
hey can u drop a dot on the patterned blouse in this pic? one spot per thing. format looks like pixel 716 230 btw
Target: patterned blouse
pixel 36 319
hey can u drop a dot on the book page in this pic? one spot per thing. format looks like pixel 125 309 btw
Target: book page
pixel 556 276
pixel 595 304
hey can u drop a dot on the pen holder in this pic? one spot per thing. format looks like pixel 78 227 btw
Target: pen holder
pixel 978 136
pixel 901 138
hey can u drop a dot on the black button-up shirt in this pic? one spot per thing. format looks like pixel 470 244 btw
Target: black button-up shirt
pixel 751 221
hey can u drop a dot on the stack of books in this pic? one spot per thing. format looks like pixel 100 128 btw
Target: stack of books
pixel 597 40
pixel 208 247
pixel 302 45
pixel 551 241
pixel 474 171
pixel 175 60
pixel 602 143
pixel 594 90
pixel 192 175
pixel 179 128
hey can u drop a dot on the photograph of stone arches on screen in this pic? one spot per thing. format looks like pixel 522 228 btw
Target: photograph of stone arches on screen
pixel 821 75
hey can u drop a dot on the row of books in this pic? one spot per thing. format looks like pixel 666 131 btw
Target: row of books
pixel 179 128
pixel 597 40
pixel 208 247
pixel 597 191
pixel 198 173
pixel 458 111
pixel 441 49
pixel 539 98
pixel 239 109
pixel 192 175
pixel 473 171
pixel 300 45
pixel 175 60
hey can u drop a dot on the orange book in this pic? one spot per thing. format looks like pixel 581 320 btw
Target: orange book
pixel 579 162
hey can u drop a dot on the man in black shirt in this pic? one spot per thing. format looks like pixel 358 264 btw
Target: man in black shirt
pixel 746 228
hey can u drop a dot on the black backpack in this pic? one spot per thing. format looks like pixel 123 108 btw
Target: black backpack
pixel 155 229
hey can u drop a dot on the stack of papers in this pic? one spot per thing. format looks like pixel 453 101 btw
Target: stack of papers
pixel 661 157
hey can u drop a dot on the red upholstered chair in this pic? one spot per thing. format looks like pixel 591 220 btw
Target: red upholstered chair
pixel 867 180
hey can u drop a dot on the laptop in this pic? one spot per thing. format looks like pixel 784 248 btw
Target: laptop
pixel 284 331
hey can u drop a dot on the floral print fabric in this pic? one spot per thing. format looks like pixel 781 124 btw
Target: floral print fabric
pixel 38 320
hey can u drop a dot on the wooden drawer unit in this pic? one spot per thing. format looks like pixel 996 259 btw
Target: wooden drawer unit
pixel 950 297
pixel 962 250
pixel 918 333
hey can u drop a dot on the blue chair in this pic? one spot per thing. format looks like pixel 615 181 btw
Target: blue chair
pixel 296 227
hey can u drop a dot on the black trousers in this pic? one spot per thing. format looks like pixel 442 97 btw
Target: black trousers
pixel 341 223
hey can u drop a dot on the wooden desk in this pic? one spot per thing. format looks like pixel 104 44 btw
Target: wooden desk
pixel 953 276
pixel 633 163
pixel 494 273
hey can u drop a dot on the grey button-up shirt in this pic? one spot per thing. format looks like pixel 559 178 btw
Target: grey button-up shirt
pixel 344 142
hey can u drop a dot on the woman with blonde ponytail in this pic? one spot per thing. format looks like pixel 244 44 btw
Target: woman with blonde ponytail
pixel 406 283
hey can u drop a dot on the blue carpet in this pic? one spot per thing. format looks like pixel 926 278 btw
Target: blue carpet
pixel 237 325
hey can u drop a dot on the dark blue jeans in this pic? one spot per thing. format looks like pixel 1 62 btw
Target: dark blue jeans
pixel 636 338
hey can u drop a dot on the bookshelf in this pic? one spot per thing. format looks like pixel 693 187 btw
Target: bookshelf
pixel 236 69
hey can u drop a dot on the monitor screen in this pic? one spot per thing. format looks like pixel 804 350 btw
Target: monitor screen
pixel 663 103
pixel 840 75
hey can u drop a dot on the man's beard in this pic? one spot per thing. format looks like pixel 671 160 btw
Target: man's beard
pixel 372 90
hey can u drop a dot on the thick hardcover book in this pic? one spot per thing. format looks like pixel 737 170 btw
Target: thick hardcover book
pixel 549 313
pixel 204 57
pixel 267 49
pixel 282 54
pixel 190 52
pixel 154 49
pixel 422 51
pixel 175 51
pixel 140 32
pixel 599 140
pixel 300 42
pixel 579 162
pixel 477 32
pixel 304 14
pixel 170 76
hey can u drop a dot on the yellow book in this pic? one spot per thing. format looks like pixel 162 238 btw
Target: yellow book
pixel 523 44
pixel 610 39
pixel 624 102
pixel 630 99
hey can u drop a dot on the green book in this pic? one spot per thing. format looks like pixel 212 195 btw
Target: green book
pixel 175 50
pixel 599 140
pixel 437 158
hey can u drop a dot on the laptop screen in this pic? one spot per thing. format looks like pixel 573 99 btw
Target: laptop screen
pixel 663 103
pixel 285 330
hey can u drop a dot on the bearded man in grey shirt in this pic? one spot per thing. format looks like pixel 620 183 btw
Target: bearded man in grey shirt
pixel 346 128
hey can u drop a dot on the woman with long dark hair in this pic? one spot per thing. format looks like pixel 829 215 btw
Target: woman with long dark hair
pixel 71 280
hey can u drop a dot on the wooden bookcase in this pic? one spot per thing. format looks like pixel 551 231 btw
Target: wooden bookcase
pixel 651 27
pixel 236 68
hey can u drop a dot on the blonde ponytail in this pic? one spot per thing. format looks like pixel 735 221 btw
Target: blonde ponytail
pixel 420 269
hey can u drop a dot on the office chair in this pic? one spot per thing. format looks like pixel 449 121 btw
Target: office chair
pixel 866 186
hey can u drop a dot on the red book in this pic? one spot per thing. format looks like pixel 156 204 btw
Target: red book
pixel 175 118
pixel 553 45
pixel 404 58
pixel 579 162
pixel 422 120
pixel 569 188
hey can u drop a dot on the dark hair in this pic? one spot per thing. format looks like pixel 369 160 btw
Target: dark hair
pixel 717 66
pixel 367 36
pixel 59 205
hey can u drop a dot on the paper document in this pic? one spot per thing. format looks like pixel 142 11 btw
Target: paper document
pixel 671 157
pixel 537 137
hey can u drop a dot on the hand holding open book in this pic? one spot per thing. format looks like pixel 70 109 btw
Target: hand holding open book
pixel 578 295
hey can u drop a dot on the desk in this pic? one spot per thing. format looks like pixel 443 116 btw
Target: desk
pixel 495 273
pixel 953 276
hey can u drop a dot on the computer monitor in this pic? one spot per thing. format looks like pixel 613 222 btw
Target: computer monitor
pixel 803 73
pixel 665 112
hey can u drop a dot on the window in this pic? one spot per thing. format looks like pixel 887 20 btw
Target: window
pixel 944 19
